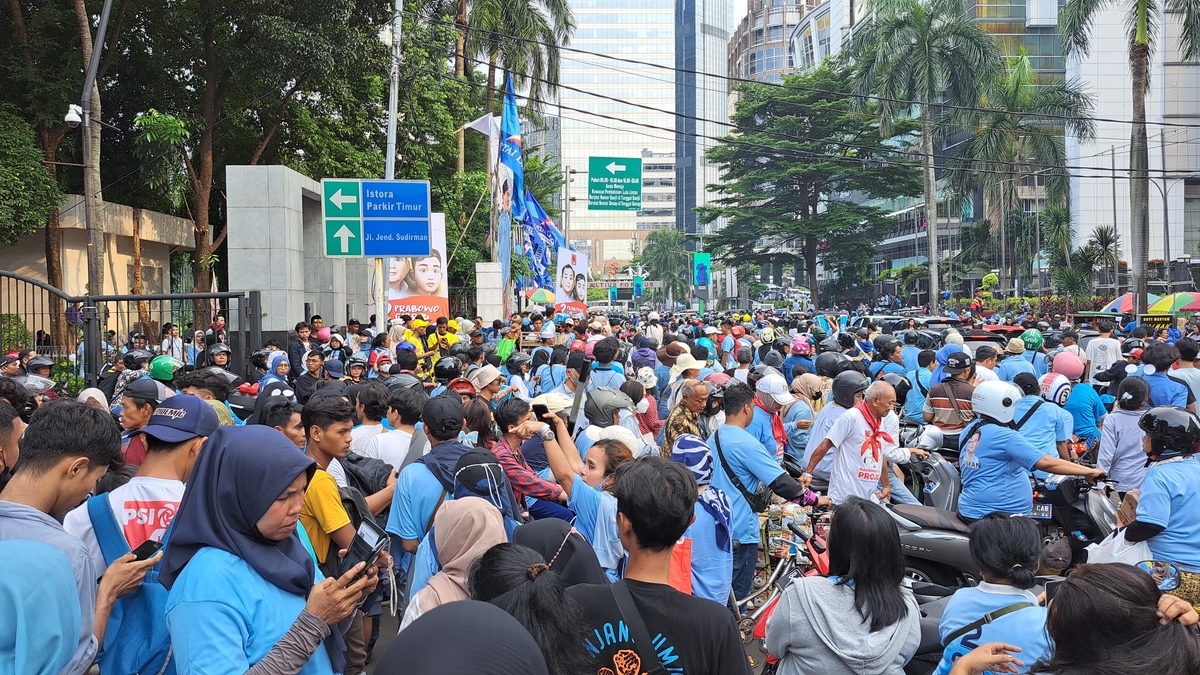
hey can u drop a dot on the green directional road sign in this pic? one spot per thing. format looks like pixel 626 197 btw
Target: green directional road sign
pixel 343 237
pixel 614 183
pixel 342 199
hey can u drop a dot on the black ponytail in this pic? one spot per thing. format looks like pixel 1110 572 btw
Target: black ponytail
pixel 1007 547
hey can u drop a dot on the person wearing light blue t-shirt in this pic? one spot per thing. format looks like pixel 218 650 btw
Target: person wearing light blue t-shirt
pixel 1041 365
pixel 1006 550
pixel 1086 409
pixel 919 378
pixel 910 351
pixel 807 389
pixel 1012 365
pixel 709 533
pixel 1042 423
pixel 996 460
pixel 1168 511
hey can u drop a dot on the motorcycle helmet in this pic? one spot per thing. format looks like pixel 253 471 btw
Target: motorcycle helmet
pixel 716 399
pixel 219 348
pixel 1173 431
pixel 772 359
pixel 767 335
pixel 996 399
pixel 885 347
pixel 1055 388
pixel 602 403
pixel 877 343
pixel 447 368
pixel 37 363
pixel 738 332
pixel 1131 344
pixel 163 367
pixel 516 360
pixel 259 358
pixel 136 359
pixel 828 345
pixel 845 341
pixel 459 348
pixel 846 385
pixel 718 378
pixel 1033 339
pixel 1068 365
pixel 829 364
pixel 759 372
pixel 35 384
pixel 901 384
pixel 404 381
pixel 819 333
pixel 862 334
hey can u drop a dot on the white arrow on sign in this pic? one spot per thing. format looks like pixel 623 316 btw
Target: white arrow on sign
pixel 345 235
pixel 613 167
pixel 340 200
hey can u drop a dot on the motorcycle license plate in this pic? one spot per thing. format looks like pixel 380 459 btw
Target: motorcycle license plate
pixel 1042 511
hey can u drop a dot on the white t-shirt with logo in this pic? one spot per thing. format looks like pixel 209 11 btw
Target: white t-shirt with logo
pixel 390 448
pixel 855 471
pixel 144 507
pixel 1102 352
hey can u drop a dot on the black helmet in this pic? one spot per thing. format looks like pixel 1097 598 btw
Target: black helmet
pixel 259 358
pixel 447 368
pixel 1128 346
pixel 759 372
pixel 1173 431
pixel 846 385
pixel 219 348
pixel 877 343
pixel 911 337
pixel 716 398
pixel 900 383
pixel 39 362
pixel 404 381
pixel 773 359
pixel 828 345
pixel 602 402
pixel 830 364
pixel 459 348
pixel 136 359
pixel 885 347
pixel 845 340
pixel 516 360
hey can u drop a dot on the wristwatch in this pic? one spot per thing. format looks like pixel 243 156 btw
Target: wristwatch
pixel 547 433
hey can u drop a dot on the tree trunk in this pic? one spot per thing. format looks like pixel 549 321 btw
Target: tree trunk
pixel 460 71
pixel 491 93
pixel 930 204
pixel 810 263
pixel 138 287
pixel 1139 181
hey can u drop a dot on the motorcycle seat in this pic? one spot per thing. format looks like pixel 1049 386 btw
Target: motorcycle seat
pixel 928 516
pixel 819 486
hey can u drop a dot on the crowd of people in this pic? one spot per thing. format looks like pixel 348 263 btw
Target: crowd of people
pixel 585 494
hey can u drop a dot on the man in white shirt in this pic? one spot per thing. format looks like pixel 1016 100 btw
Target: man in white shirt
pixel 863 440
pixel 985 360
pixel 144 507
pixel 404 412
pixel 1102 352
pixel 372 407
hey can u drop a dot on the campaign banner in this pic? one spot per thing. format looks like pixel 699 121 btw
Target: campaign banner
pixel 571 282
pixel 418 285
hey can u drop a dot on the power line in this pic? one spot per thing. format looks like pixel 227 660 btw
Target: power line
pixel 869 97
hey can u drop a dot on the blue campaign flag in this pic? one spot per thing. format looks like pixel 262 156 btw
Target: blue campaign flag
pixel 510 149
pixel 540 242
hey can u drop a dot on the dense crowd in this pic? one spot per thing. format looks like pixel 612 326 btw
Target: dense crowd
pixel 593 494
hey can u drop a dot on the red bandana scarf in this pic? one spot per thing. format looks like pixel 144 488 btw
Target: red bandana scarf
pixel 776 426
pixel 874 437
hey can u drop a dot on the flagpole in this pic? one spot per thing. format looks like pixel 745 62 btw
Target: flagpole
pixel 389 169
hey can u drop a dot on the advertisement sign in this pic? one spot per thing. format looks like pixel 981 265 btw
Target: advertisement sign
pixel 638 286
pixel 701 273
pixel 571 281
pixel 417 285
pixel 1156 321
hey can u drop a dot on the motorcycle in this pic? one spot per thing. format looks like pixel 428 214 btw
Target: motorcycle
pixel 1068 507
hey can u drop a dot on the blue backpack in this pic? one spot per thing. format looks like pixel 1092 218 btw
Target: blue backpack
pixel 136 640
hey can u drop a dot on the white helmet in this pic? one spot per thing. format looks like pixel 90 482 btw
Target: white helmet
pixel 996 399
pixel 1056 388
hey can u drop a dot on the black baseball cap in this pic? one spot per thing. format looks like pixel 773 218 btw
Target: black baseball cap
pixel 144 389
pixel 443 416
pixel 958 362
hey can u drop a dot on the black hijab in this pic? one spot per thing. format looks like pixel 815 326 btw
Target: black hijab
pixel 564 549
pixel 498 644
pixel 240 472
pixel 273 391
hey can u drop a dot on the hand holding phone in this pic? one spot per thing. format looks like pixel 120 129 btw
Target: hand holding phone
pixel 540 411
pixel 369 541
pixel 147 549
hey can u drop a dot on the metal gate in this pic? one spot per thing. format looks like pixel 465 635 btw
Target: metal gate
pixel 88 331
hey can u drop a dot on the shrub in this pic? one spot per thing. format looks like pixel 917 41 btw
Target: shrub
pixel 13 334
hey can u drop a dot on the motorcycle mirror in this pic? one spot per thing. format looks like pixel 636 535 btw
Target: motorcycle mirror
pixel 1166 575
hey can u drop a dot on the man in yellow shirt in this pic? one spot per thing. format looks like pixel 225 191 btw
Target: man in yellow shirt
pixel 327 423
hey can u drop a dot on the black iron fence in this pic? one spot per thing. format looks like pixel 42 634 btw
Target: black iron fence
pixel 87 331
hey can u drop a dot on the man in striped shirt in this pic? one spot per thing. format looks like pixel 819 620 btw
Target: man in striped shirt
pixel 948 403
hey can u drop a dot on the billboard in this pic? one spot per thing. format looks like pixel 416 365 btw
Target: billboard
pixel 701 274
pixel 418 285
pixel 571 282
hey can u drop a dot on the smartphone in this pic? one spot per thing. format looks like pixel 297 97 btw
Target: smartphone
pixel 147 549
pixel 540 411
pixel 1051 589
pixel 369 542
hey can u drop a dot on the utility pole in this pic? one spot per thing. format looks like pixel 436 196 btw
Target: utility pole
pixel 389 169
pixel 90 189
pixel 1162 139
pixel 1112 154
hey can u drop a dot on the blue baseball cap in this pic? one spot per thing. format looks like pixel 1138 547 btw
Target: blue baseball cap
pixel 181 418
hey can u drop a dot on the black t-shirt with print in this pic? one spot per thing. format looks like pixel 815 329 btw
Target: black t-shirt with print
pixel 692 636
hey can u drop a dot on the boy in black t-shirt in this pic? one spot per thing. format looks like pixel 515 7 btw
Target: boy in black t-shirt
pixel 655 505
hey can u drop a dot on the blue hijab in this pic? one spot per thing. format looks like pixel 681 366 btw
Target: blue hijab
pixel 273 375
pixel 43 615
pixel 693 453
pixel 240 473
pixel 943 354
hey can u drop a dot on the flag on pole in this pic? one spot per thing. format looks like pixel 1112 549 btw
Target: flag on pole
pixel 511 149
pixel 541 239
pixel 488 125
pixel 509 188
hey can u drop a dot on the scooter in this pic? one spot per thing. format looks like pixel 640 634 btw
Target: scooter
pixel 1067 506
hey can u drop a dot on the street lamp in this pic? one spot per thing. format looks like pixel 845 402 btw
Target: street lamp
pixel 1164 191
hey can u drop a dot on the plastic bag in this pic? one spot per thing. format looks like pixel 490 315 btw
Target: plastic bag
pixel 1114 549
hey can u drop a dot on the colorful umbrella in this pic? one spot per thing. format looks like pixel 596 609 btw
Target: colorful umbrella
pixel 1193 307
pixel 1124 304
pixel 1172 303
pixel 540 295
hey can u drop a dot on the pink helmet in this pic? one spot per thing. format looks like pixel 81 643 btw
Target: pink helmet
pixel 1068 365
pixel 800 346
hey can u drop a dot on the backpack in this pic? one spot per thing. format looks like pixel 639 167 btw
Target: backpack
pixel 136 640
pixel 367 476
pixel 356 507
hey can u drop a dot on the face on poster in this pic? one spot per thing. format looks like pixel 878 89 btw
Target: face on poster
pixel 570 290
pixel 418 285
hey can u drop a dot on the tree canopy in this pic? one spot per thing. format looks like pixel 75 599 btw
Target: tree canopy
pixel 28 193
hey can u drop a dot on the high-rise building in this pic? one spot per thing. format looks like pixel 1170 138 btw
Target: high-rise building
pixel 639 30
pixel 701 35
pixel 761 48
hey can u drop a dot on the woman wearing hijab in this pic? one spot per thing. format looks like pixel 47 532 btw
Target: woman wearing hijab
pixel 462 530
pixel 93 396
pixel 495 644
pixel 268 393
pixel 709 533
pixel 278 368
pixel 43 618
pixel 564 549
pixel 239 569
pixel 799 416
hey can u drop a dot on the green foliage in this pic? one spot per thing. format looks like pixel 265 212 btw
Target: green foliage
pixel 989 282
pixel 63 372
pixel 28 193
pixel 666 259
pixel 13 333
pixel 794 152
pixel 544 180
pixel 159 147
pixel 597 294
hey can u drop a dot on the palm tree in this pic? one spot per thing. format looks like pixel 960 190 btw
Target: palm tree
pixel 665 258
pixel 522 37
pixel 1057 236
pixel 1010 141
pixel 1075 23
pixel 928 51
pixel 1107 244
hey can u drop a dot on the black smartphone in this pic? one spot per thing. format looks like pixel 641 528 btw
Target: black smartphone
pixel 540 411
pixel 368 543
pixel 1051 589
pixel 147 549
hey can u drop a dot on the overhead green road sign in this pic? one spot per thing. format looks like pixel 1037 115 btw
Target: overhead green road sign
pixel 614 183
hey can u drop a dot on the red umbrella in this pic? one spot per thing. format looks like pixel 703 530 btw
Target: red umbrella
pixel 1194 306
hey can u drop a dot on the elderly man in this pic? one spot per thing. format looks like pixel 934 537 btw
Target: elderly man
pixel 685 418
pixel 863 440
